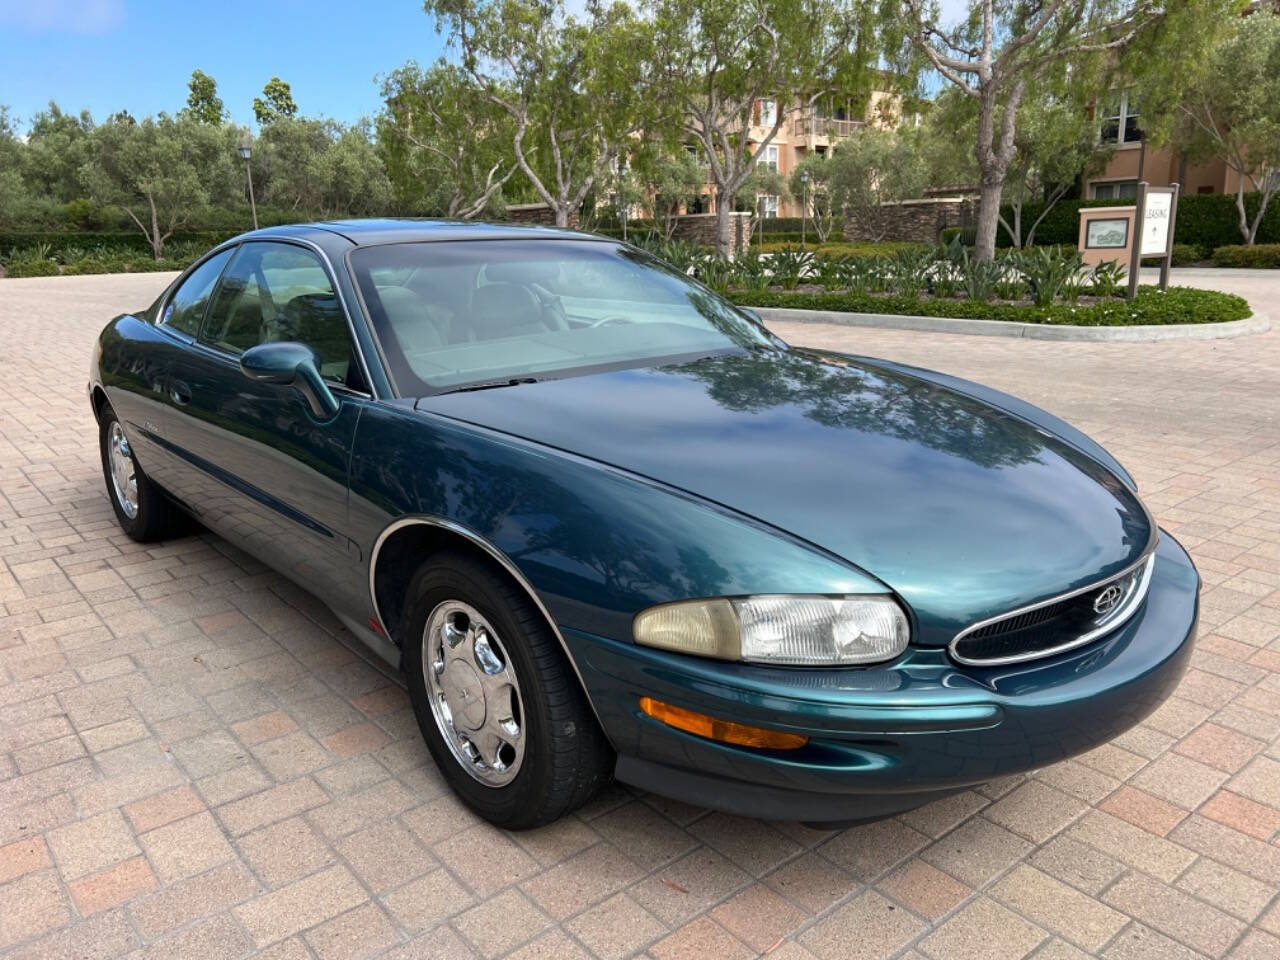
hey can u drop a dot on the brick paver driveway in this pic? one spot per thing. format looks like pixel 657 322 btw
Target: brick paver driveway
pixel 194 765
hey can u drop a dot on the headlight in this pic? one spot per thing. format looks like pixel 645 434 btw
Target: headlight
pixel 804 631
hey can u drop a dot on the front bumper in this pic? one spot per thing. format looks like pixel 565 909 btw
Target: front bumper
pixel 887 739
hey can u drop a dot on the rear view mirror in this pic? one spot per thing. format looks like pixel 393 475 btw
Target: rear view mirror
pixel 291 364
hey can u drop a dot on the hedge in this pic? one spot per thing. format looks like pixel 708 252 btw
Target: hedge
pixel 1179 305
pixel 126 263
pixel 1262 255
pixel 115 241
pixel 1207 221
pixel 839 248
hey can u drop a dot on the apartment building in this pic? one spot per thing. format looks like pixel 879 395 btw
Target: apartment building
pixel 1120 123
pixel 803 133
pixel 1134 159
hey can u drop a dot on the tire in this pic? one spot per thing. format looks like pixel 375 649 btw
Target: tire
pixel 150 515
pixel 559 757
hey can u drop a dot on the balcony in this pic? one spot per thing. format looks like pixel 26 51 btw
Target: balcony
pixel 827 127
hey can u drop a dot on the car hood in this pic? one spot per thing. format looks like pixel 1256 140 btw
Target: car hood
pixel 962 508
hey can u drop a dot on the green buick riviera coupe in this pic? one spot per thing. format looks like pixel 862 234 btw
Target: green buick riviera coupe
pixel 609 526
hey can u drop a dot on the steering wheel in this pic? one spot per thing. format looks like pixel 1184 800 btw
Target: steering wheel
pixel 607 320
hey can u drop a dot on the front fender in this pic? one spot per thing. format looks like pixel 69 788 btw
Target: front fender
pixel 597 544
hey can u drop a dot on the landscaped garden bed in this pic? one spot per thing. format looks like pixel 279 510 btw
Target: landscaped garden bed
pixel 1178 305
pixel 1043 285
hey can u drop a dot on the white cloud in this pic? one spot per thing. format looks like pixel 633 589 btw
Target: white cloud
pixel 62 16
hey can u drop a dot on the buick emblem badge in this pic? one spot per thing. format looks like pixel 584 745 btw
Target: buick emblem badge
pixel 1106 600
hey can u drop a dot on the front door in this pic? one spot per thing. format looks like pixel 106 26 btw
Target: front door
pixel 257 465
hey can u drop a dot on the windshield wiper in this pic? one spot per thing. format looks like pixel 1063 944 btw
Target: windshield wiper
pixel 488 385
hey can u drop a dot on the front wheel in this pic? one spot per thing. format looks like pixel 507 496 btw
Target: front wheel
pixel 496 700
pixel 141 509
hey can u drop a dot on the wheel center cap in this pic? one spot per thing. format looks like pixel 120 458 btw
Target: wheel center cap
pixel 461 687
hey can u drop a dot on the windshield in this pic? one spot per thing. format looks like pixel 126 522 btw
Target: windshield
pixel 453 314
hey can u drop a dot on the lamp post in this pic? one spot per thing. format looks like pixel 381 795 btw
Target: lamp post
pixel 804 205
pixel 246 150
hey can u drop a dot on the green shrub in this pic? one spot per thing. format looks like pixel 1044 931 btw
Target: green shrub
pixel 790 265
pixel 981 279
pixel 796 225
pixel 1107 278
pixel 31 267
pixel 1049 273
pixel 1259 256
pixel 1179 305
pixel 967 235
pixel 1183 255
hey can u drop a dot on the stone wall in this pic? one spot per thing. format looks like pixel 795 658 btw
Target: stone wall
pixel 700 228
pixel 537 213
pixel 921 221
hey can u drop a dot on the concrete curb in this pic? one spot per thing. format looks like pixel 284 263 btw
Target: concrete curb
pixel 1258 323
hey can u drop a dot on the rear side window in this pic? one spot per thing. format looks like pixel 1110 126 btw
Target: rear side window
pixel 186 307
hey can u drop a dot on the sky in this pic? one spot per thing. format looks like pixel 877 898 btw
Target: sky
pixel 108 55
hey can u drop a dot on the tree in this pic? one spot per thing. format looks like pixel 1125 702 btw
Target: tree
pixel 763 181
pixel 353 179
pixel 447 146
pixel 161 171
pixel 720 60
pixel 13 193
pixel 1006 47
pixel 574 90
pixel 811 181
pixel 58 146
pixel 872 171
pixel 1233 111
pixel 320 168
pixel 203 103
pixel 1056 142
pixel 677 178
pixel 275 103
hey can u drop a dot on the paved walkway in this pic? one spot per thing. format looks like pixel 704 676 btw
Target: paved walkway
pixel 192 764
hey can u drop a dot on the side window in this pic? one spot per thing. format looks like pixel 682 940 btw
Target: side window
pixel 277 292
pixel 186 307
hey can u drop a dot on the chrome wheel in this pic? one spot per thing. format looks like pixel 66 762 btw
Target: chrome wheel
pixel 474 693
pixel 124 475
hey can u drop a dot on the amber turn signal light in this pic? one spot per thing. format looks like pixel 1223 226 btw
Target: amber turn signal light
pixel 723 730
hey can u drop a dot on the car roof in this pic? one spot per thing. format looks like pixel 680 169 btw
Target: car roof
pixel 410 230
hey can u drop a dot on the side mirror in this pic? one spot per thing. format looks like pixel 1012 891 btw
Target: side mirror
pixel 291 364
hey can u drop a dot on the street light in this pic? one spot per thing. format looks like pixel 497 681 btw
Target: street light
pixel 246 150
pixel 804 205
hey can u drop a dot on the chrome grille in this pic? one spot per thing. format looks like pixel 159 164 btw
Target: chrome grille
pixel 1056 625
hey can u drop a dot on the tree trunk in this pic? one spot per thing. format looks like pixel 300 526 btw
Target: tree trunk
pixel 724 227
pixel 562 214
pixel 1244 216
pixel 984 243
pixel 157 241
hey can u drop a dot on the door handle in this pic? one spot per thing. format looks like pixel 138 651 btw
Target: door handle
pixel 179 393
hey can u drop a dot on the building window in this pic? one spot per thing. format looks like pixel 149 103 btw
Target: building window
pixel 1120 121
pixel 1116 190
pixel 768 206
pixel 768 111
pixel 770 158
